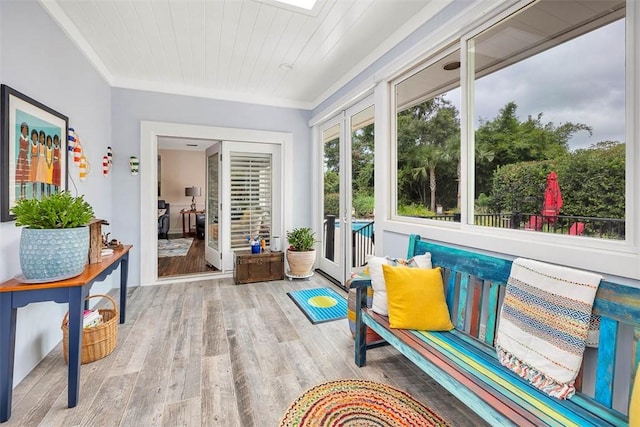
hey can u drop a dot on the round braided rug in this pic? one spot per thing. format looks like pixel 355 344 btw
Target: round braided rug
pixel 352 403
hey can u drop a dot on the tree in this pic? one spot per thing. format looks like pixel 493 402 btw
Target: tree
pixel 513 141
pixel 432 155
pixel 362 160
pixel 331 193
pixel 482 155
pixel 428 133
pixel 331 182
pixel 332 155
pixel 362 166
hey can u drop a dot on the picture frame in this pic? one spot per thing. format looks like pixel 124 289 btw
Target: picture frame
pixel 31 168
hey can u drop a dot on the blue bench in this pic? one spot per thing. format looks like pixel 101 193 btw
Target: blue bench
pixel 464 360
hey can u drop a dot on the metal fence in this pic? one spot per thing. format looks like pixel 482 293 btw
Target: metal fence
pixel 362 244
pixel 363 237
pixel 362 241
pixel 603 228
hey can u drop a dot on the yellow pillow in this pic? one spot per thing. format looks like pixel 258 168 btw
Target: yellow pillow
pixel 416 299
pixel 634 404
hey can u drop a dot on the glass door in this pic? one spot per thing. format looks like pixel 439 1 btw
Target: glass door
pixel 213 253
pixel 332 251
pixel 361 183
pixel 348 234
pixel 244 187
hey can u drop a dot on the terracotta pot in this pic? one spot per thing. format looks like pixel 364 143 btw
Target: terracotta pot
pixel 300 263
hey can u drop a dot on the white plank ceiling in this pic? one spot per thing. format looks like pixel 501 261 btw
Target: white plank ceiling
pixel 244 50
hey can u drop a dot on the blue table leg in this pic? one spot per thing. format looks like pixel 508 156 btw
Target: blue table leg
pixel 76 297
pixel 7 352
pixel 124 274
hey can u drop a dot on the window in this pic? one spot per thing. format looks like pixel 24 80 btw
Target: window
pixel 250 198
pixel 545 125
pixel 549 111
pixel 428 140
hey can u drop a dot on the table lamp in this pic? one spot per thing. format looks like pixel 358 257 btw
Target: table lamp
pixel 193 192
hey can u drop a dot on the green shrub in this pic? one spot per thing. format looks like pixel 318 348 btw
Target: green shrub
pixel 592 182
pixel 59 210
pixel 482 203
pixel 363 206
pixel 414 210
pixel 519 187
pixel 331 204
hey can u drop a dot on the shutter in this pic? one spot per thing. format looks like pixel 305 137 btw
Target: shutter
pixel 250 198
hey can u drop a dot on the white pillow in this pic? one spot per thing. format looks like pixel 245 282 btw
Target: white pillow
pixel 379 302
pixel 161 212
pixel 421 261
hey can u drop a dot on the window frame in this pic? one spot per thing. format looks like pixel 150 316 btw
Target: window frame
pixel 618 258
pixel 393 122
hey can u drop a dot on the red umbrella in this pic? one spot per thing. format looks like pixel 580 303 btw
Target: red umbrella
pixel 552 198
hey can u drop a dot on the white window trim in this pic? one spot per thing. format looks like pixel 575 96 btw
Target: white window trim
pixel 393 153
pixel 618 259
pixel 149 132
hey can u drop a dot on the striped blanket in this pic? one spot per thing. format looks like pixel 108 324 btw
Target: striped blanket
pixel 544 323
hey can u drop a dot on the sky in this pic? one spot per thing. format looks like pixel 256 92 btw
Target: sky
pixel 581 81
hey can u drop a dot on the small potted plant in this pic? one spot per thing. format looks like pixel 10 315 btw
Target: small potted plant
pixel 54 244
pixel 301 255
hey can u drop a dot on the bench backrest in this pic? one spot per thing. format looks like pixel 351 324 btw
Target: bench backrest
pixel 475 285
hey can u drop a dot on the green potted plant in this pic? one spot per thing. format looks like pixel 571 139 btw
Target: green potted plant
pixel 301 255
pixel 54 244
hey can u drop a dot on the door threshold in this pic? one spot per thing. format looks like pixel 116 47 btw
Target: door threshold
pixel 165 280
pixel 331 279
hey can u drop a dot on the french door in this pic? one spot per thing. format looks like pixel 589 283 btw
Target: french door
pixel 212 234
pixel 244 187
pixel 347 227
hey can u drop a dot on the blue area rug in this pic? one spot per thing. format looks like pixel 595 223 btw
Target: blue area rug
pixel 320 304
pixel 173 247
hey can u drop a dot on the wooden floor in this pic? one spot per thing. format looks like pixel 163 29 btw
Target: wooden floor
pixel 214 354
pixel 192 263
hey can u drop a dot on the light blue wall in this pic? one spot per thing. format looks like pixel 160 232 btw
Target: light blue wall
pixel 37 59
pixel 129 107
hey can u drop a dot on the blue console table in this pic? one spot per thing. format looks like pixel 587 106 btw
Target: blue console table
pixel 14 294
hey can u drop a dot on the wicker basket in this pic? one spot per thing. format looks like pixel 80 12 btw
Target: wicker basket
pixel 98 341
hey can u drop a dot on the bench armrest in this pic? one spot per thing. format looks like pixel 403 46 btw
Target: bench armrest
pixel 359 284
pixel 358 281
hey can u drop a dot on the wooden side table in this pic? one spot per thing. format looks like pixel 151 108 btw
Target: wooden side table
pixel 188 212
pixel 14 294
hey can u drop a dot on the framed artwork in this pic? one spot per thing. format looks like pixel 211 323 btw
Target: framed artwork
pixel 33 150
